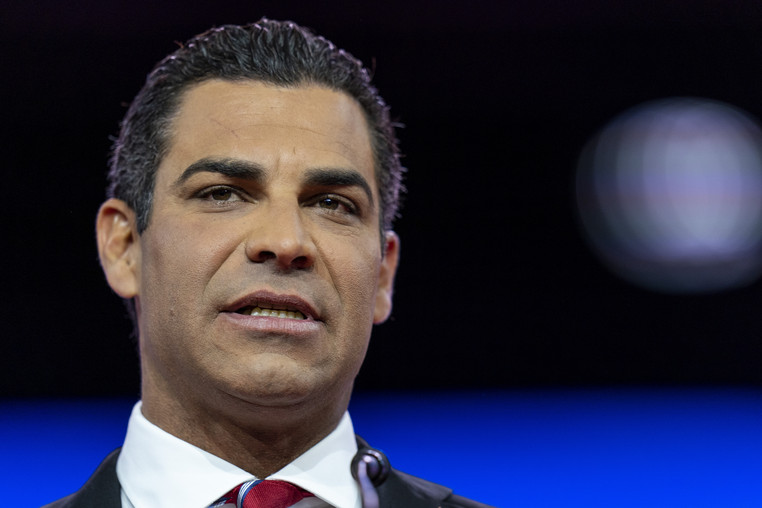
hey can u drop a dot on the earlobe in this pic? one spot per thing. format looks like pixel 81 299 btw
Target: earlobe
pixel 118 246
pixel 386 274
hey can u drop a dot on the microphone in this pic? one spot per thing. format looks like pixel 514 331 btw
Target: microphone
pixel 370 467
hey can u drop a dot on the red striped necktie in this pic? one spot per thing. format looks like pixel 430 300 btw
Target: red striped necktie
pixel 263 494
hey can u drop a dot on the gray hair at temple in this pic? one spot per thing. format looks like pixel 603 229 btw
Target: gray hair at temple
pixel 281 53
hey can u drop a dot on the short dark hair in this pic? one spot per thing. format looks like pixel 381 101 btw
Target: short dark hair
pixel 276 52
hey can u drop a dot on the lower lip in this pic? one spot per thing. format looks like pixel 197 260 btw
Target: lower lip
pixel 266 324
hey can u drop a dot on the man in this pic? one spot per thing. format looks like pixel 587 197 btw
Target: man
pixel 253 187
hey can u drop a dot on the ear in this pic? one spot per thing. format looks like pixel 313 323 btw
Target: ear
pixel 386 277
pixel 119 246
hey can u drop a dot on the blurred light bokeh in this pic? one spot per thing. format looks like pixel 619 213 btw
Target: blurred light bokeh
pixel 670 196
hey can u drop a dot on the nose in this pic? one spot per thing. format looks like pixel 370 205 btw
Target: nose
pixel 278 235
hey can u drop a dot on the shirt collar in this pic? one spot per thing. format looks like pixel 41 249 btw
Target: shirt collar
pixel 159 470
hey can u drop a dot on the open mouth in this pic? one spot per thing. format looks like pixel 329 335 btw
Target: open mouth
pixel 258 310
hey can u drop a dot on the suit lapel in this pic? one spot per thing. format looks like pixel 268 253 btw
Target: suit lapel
pixel 401 489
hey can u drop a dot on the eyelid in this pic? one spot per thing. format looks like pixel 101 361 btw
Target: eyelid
pixel 352 207
pixel 206 192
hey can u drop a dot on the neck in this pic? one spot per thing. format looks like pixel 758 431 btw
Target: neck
pixel 260 440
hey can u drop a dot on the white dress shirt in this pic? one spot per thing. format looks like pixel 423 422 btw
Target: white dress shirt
pixel 159 470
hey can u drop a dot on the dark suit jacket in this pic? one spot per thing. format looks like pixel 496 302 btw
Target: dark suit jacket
pixel 400 490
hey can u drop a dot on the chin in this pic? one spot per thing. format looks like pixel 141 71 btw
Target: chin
pixel 277 387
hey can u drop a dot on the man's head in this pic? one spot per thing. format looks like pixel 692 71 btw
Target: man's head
pixel 257 266
pixel 279 53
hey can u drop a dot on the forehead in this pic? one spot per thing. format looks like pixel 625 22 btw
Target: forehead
pixel 277 127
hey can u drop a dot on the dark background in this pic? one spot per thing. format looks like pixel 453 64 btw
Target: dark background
pixel 497 287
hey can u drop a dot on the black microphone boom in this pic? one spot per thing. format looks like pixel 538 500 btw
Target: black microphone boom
pixel 370 467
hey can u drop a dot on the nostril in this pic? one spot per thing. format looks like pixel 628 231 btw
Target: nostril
pixel 301 262
pixel 264 255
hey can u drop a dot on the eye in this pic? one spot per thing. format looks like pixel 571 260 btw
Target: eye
pixel 336 204
pixel 220 194
pixel 329 203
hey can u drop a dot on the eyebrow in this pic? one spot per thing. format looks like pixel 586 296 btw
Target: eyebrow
pixel 338 177
pixel 248 170
pixel 234 168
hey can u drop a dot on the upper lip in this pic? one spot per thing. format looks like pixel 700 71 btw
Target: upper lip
pixel 272 300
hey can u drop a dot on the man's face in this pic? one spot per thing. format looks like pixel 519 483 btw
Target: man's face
pixel 260 274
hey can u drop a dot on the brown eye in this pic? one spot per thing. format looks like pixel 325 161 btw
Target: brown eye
pixel 221 194
pixel 335 204
pixel 329 204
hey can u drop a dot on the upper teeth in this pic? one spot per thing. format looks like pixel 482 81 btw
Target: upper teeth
pixel 259 311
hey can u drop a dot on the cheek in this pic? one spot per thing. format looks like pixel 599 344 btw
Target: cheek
pixel 355 274
pixel 360 288
pixel 180 259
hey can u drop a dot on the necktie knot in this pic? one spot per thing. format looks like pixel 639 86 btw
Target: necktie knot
pixel 263 494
